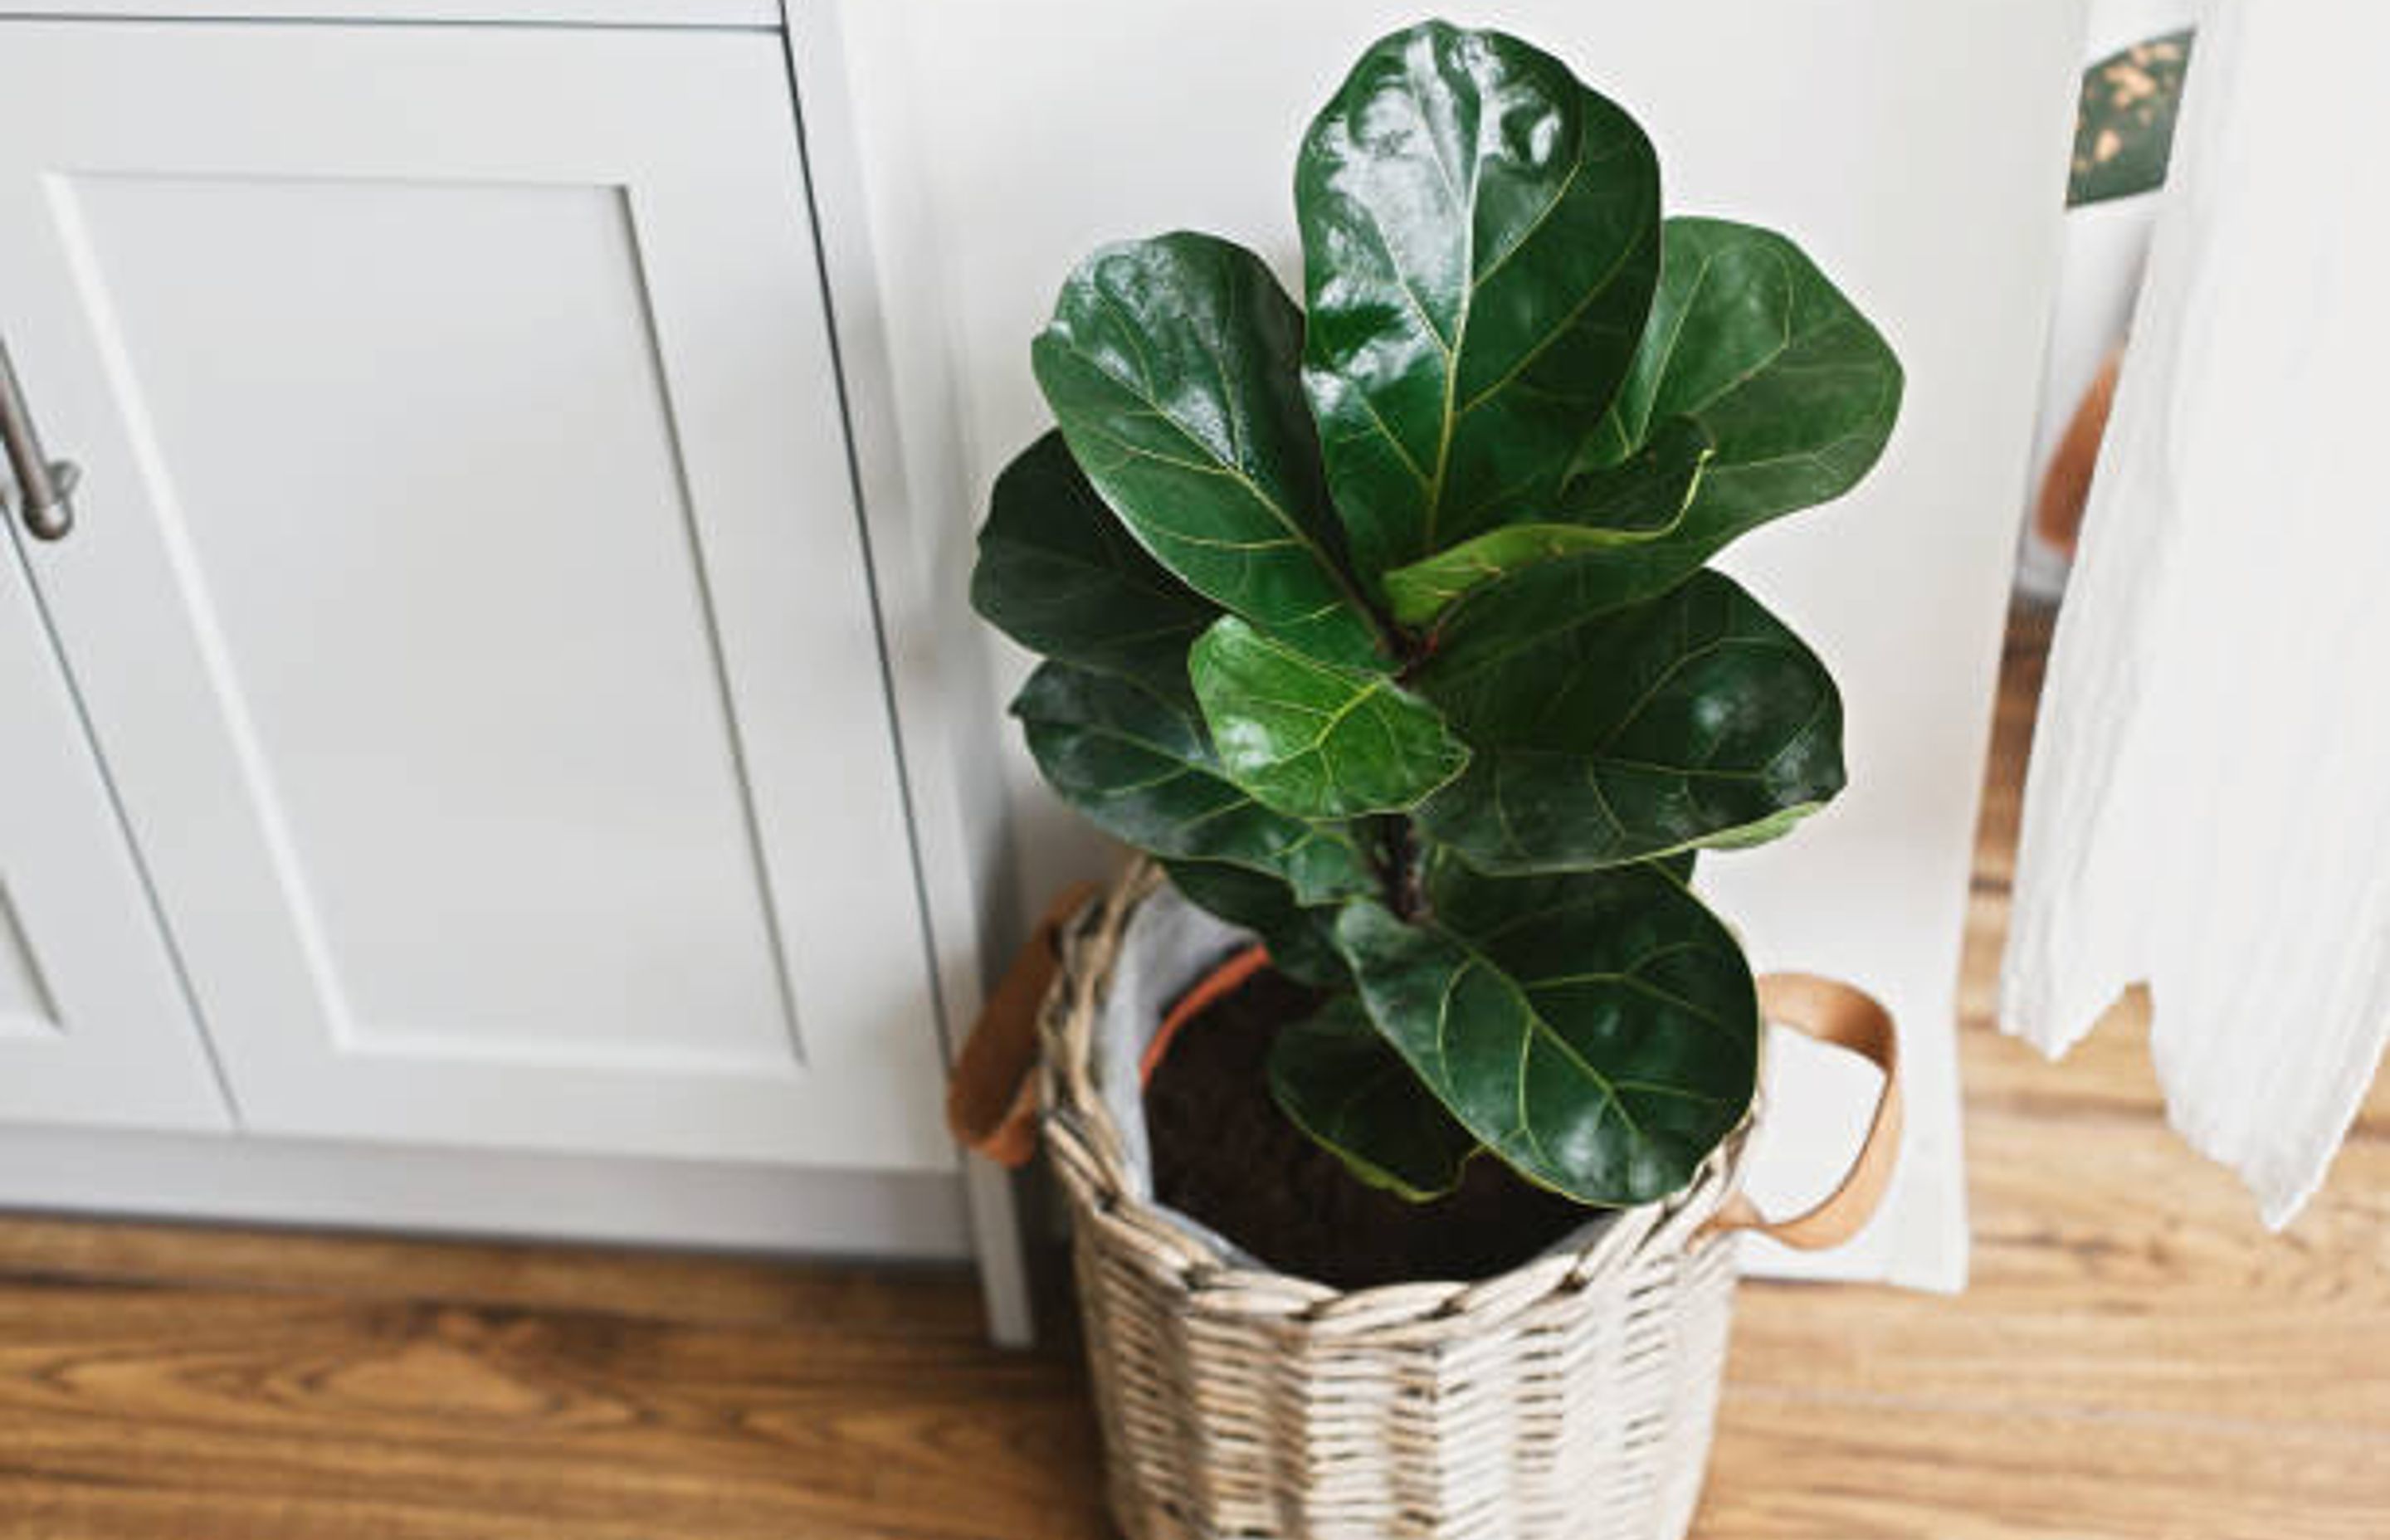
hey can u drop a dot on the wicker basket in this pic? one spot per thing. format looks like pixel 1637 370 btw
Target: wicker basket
pixel 1570 1397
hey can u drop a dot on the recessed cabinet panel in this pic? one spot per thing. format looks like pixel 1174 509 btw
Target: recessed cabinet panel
pixel 460 597
pixel 469 595
pixel 93 1026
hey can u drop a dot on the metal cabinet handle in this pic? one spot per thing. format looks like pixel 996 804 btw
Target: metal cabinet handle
pixel 44 486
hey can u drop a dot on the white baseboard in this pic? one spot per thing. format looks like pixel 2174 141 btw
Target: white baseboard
pixel 752 1208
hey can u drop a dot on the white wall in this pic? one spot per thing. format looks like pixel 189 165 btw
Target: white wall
pixel 1916 147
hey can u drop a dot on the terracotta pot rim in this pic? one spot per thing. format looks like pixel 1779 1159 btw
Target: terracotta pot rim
pixel 1223 978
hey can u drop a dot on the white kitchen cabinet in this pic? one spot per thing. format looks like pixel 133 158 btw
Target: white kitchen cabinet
pixel 468 597
pixel 94 1027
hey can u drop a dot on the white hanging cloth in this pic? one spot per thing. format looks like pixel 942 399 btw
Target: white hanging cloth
pixel 2208 806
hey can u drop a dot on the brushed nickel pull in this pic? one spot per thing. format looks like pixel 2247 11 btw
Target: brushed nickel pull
pixel 44 486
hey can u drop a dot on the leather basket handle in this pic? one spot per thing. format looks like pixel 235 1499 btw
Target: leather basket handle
pixel 1843 1017
pixel 992 1091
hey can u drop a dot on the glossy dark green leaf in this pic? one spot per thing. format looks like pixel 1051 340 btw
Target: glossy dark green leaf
pixel 1480 240
pixel 1137 765
pixel 2124 128
pixel 1342 1083
pixel 1316 739
pixel 1622 511
pixel 1057 574
pixel 1302 942
pixel 1172 366
pixel 1679 864
pixel 1796 390
pixel 1599 1032
pixel 1694 719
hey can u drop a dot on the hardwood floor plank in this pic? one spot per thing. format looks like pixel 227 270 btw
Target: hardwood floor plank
pixel 2069 1322
pixel 126 1401
pixel 1808 1467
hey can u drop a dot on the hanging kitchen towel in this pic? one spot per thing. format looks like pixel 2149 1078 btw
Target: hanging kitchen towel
pixel 2208 807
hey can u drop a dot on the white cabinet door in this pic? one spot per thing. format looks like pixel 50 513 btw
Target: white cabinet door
pixel 468 595
pixel 94 1027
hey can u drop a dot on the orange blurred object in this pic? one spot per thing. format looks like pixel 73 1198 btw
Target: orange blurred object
pixel 2066 485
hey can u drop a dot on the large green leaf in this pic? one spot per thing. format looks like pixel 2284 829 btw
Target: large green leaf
pixel 1316 739
pixel 1343 1085
pixel 1480 242
pixel 1796 389
pixel 1302 942
pixel 1137 765
pixel 1057 574
pixel 1694 719
pixel 1631 512
pixel 1172 366
pixel 1796 392
pixel 1599 1032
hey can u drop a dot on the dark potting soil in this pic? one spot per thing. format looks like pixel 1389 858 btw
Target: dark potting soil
pixel 1225 1154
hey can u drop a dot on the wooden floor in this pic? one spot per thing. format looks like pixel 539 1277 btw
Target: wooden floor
pixel 2137 1358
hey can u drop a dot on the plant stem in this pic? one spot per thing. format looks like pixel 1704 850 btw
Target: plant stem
pixel 1396 858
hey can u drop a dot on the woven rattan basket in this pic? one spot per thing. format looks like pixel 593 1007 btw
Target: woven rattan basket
pixel 1570 1397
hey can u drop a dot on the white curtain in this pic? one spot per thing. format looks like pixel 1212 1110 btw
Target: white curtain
pixel 2208 807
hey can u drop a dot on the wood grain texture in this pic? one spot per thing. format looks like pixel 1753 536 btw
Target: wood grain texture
pixel 2138 1359
pixel 606 1399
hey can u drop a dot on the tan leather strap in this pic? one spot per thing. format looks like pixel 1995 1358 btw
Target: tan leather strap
pixel 992 1092
pixel 1846 1017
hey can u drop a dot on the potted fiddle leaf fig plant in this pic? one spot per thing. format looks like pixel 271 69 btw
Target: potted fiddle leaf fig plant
pixel 1381 623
